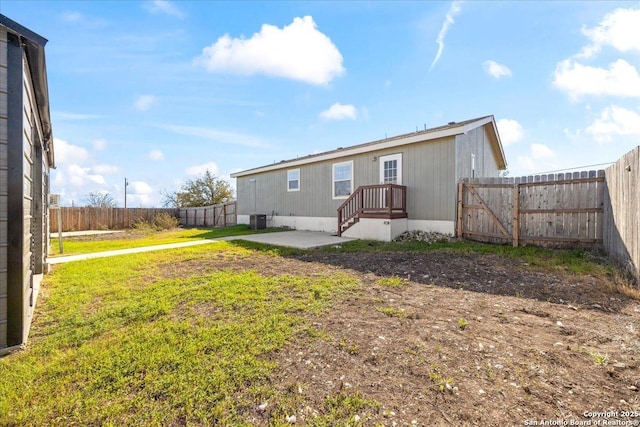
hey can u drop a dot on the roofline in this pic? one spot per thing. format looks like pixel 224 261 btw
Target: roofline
pixel 400 140
pixel 503 159
pixel 33 45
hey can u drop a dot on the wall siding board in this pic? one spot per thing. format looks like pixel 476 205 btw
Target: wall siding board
pixel 3 73
pixel 3 187
pixel 431 164
pixel 15 205
pixel 3 47
pixel 3 334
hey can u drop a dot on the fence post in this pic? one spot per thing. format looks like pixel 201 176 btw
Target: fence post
pixel 516 215
pixel 460 195
pixel 224 215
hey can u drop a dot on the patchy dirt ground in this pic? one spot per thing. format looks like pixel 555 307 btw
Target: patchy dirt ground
pixel 465 340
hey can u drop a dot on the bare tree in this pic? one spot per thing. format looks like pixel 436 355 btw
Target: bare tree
pixel 206 190
pixel 100 200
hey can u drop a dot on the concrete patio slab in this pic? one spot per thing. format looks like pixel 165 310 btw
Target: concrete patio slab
pixel 296 239
pixel 292 239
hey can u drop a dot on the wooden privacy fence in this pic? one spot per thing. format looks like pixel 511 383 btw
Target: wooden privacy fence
pixel 544 210
pixel 622 211
pixel 86 218
pixel 209 216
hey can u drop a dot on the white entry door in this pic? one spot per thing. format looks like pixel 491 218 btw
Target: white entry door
pixel 391 169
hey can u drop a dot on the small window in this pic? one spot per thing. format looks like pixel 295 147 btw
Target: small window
pixel 293 180
pixel 342 180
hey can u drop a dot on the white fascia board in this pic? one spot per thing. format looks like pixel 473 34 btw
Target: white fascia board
pixel 366 149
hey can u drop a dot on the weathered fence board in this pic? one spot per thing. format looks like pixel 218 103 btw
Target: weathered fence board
pixel 621 211
pixel 87 218
pixel 544 210
pixel 209 216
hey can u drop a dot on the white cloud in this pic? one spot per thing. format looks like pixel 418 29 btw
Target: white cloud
pixel 572 134
pixel 155 155
pixel 144 102
pixel 64 115
pixel 297 51
pixel 541 151
pixel 140 187
pixel 496 70
pixel 339 112
pixel 454 10
pixel 538 159
pixel 526 163
pixel 510 131
pixel 200 169
pixel 619 29
pixel 99 144
pixel 106 169
pixel 215 135
pixel 613 121
pixel 71 16
pixel 621 79
pixel 163 6
pixel 77 176
pixel 69 154
pixel 140 194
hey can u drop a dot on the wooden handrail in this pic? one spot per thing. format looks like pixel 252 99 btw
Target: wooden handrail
pixel 384 200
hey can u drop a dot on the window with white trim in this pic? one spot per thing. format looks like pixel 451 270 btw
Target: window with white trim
pixel 342 180
pixel 293 180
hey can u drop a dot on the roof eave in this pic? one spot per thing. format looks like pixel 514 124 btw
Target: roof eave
pixel 34 48
pixel 357 150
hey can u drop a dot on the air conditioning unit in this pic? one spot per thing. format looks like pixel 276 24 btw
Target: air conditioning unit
pixel 258 221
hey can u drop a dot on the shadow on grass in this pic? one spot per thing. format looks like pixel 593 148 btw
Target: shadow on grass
pixel 578 276
pixel 234 230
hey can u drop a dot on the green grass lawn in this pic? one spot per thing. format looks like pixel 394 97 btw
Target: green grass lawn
pixel 140 340
pixel 152 339
pixel 137 239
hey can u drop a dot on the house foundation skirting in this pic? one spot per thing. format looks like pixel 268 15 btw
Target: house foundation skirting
pixel 367 228
pixel 303 223
pixel 388 229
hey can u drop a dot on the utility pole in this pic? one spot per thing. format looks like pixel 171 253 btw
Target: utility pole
pixel 126 183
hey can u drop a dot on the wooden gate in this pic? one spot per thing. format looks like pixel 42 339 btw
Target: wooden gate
pixel 545 210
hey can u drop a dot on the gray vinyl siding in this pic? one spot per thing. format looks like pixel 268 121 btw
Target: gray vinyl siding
pixel 428 172
pixel 30 134
pixel 3 187
pixel 476 142
pixel 24 176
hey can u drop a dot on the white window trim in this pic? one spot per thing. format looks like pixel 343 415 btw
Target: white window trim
pixel 289 180
pixel 333 181
pixel 396 156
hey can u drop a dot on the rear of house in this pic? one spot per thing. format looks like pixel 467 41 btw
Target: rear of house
pixel 26 155
pixel 375 190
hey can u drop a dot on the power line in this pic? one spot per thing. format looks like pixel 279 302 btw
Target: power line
pixel 577 167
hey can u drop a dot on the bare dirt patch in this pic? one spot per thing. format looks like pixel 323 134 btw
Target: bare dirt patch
pixel 463 340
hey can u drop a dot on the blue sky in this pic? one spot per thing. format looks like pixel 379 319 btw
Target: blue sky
pixel 159 91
